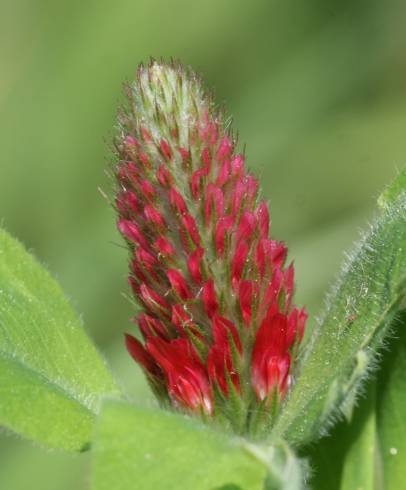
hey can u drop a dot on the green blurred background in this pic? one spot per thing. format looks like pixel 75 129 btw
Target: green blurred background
pixel 317 89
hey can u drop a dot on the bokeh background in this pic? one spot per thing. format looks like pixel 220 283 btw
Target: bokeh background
pixel 317 89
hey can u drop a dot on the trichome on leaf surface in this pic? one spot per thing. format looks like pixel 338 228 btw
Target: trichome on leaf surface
pixel 221 335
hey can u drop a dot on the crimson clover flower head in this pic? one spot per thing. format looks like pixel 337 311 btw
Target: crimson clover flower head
pixel 220 332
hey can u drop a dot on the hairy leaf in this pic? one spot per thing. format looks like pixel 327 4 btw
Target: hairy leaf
pixel 51 375
pixel 150 449
pixel 343 346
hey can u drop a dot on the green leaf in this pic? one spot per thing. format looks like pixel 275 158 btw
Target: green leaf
pixel 151 449
pixel 349 458
pixel 342 348
pixel 359 463
pixel 370 452
pixel 51 375
pixel 391 409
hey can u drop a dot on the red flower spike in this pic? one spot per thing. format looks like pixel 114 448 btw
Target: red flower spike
pixel 218 315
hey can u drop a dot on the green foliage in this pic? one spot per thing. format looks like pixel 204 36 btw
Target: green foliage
pixel 150 449
pixel 343 346
pixel 391 409
pixel 370 451
pixel 51 375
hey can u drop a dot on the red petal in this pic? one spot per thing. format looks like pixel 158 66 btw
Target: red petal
pixel 154 216
pixel 194 263
pixel 131 231
pixel 224 172
pixel 237 166
pixel 190 224
pixel 165 149
pixel 214 195
pixel 184 154
pixel 219 360
pixel 144 159
pixel 151 327
pixel 127 201
pixel 221 327
pixel 238 262
pixel 147 189
pixel 262 214
pixel 177 201
pixel 225 148
pixel 164 177
pixel 152 299
pixel 140 355
pixel 197 177
pixel 145 134
pixel 186 376
pixel 206 158
pixel 269 254
pixel 270 356
pixel 237 196
pixel 209 298
pixel 251 186
pixel 178 283
pixel 246 296
pixel 246 227
pixel 224 224
pixel 146 259
pixel 131 141
pixel 164 247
